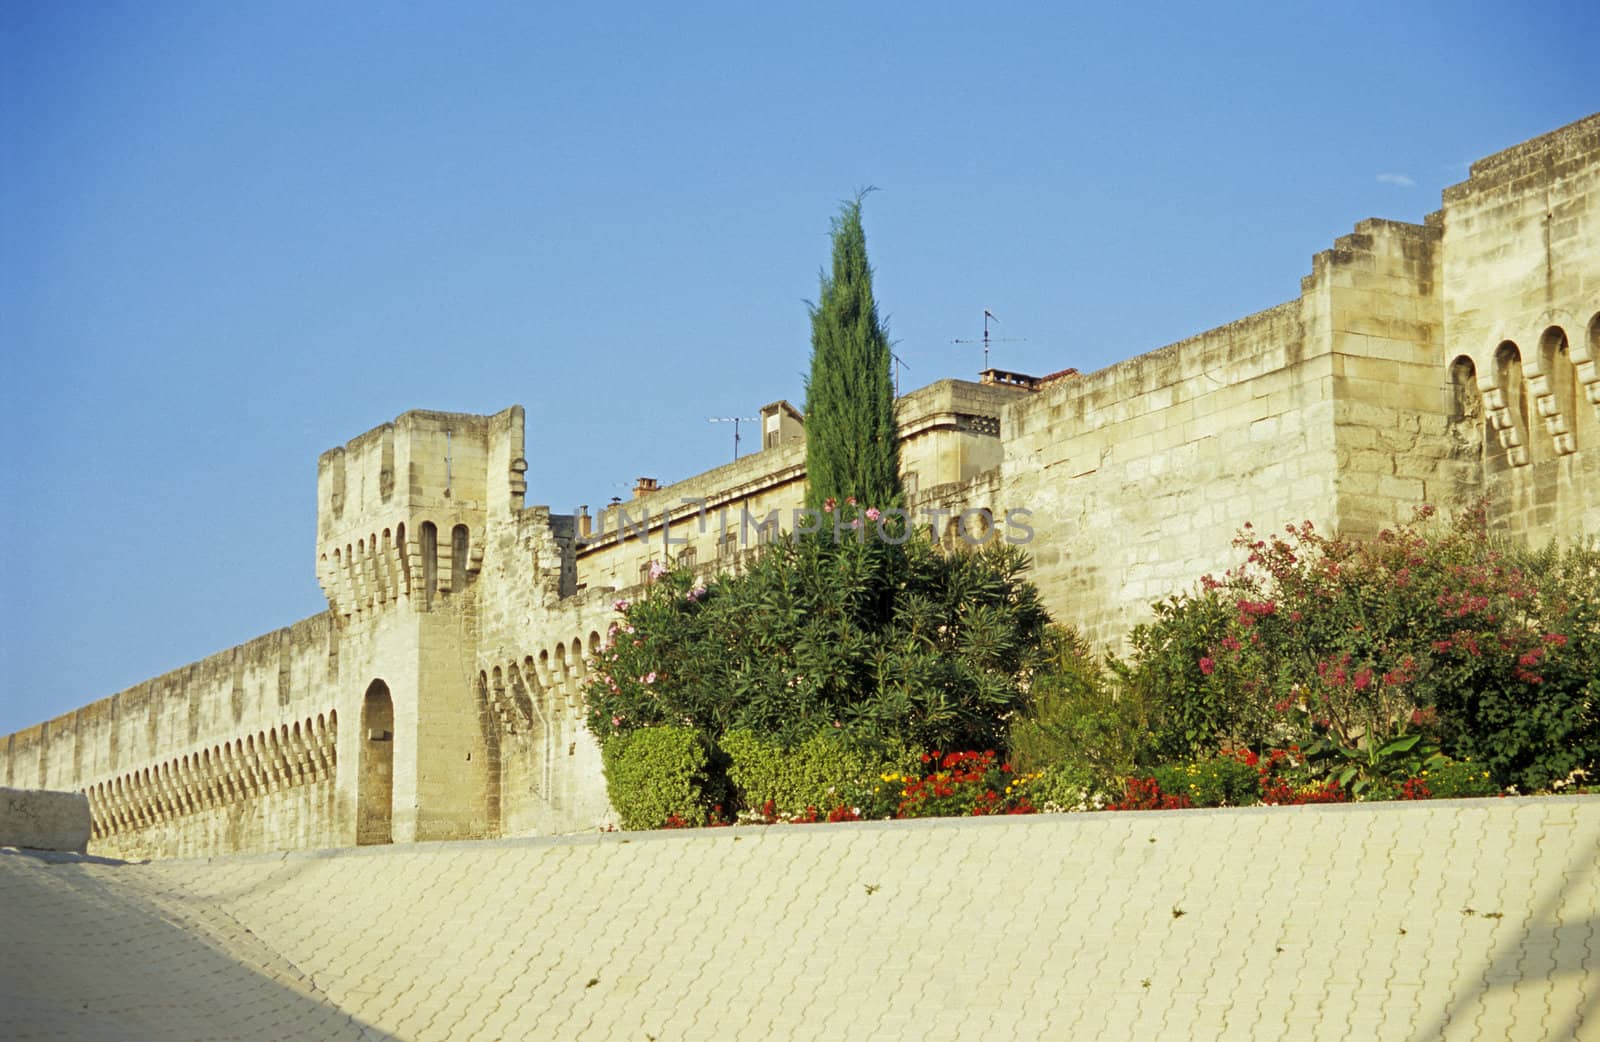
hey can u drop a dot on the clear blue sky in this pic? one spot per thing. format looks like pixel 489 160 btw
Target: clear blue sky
pixel 233 236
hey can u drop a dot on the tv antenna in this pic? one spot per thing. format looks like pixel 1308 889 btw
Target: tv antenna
pixel 735 420
pixel 989 316
pixel 898 362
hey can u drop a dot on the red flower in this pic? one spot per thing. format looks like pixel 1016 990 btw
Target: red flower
pixel 1207 666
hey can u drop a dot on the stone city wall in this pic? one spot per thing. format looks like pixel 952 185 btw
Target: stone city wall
pixel 1430 363
pixel 232 753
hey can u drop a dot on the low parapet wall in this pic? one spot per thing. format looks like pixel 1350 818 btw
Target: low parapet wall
pixel 1448 920
pixel 40 820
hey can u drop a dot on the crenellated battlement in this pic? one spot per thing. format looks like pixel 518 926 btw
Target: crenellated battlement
pixel 402 510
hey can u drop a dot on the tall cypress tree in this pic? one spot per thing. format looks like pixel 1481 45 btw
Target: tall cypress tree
pixel 851 447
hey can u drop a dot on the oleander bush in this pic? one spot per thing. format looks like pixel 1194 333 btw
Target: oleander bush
pixel 885 643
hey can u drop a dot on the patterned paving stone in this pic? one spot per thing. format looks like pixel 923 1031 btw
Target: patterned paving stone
pixel 1466 920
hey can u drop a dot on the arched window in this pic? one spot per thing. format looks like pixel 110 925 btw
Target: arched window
pixel 402 554
pixel 1561 385
pixel 430 563
pixel 1469 432
pixel 460 543
pixel 1511 445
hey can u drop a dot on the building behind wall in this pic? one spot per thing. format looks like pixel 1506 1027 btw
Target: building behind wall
pixel 441 693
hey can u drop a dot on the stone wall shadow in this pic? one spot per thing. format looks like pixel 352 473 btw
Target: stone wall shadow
pixel 1505 968
pixel 85 958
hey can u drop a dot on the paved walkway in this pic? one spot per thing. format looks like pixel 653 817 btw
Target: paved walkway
pixel 1463 920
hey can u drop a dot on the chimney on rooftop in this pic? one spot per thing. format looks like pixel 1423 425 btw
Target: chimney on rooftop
pixel 644 485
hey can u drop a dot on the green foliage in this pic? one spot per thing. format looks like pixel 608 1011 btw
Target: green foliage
pixel 1518 689
pixel 913 646
pixel 1071 786
pixel 1458 779
pixel 658 774
pixel 1193 706
pixel 1350 648
pixel 851 439
pixel 1074 715
pixel 1355 767
pixel 1220 781
pixel 822 771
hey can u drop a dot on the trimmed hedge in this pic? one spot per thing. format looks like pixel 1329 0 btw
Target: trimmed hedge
pixel 823 771
pixel 658 774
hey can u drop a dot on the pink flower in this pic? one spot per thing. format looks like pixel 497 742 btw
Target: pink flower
pixel 851 500
pixel 657 570
pixel 828 505
pixel 1207 666
pixel 695 594
pixel 622 605
pixel 873 514
pixel 649 678
pixel 616 721
pixel 855 523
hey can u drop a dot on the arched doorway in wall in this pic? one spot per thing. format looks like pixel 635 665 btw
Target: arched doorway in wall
pixel 375 782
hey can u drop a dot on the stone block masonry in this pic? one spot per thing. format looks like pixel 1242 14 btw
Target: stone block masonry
pixel 41 820
pixel 441 695
pixel 1461 921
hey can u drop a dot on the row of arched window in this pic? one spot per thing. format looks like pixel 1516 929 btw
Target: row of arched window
pixel 267 761
pixel 379 568
pixel 1533 408
pixel 523 692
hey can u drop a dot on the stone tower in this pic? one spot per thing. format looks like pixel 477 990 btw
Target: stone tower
pixel 403 517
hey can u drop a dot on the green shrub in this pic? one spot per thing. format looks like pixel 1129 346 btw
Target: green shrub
pixel 886 643
pixel 659 775
pixel 823 771
pixel 1381 790
pixel 1065 787
pixel 1075 716
pixel 1519 684
pixel 1458 779
pixel 1427 631
pixel 1221 781
pixel 1193 704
